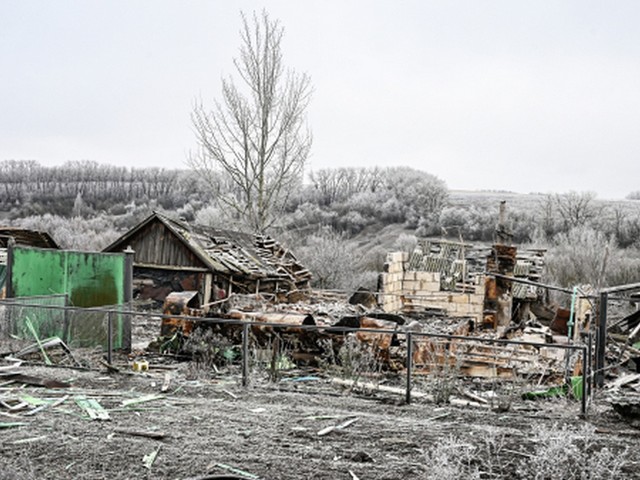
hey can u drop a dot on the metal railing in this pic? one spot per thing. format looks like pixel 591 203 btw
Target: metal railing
pixel 111 315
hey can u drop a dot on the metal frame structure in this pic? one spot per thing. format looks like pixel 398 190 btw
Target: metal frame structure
pixel 601 332
pixel 583 349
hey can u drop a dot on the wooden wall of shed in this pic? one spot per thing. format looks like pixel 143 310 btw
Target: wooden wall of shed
pixel 155 244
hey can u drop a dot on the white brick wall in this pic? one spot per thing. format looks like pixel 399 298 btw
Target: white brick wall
pixel 423 289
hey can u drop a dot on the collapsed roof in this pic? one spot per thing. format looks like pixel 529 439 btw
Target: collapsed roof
pixel 25 237
pixel 231 253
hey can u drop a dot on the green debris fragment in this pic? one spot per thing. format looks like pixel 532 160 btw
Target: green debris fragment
pixel 552 392
pixel 577 389
pixel 36 402
pixel 29 440
pixel 93 408
pixel 237 471
pixel 574 389
pixel 229 355
pixel 149 460
pixel 29 325
pixel 12 424
pixel 308 378
pixel 142 399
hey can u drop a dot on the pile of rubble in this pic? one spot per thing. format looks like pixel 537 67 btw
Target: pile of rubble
pixel 460 344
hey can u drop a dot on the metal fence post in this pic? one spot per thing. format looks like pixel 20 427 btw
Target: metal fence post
pixel 585 361
pixel 409 366
pixel 65 319
pixel 245 355
pixel 109 336
pixel 125 319
pixel 8 292
pixel 601 339
pixel 589 364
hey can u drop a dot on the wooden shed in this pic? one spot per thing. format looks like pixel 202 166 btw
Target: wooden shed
pixel 173 255
pixel 26 238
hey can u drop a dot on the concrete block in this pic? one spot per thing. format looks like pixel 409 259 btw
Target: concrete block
pixel 410 286
pixel 430 286
pixel 451 309
pixel 440 297
pixel 392 268
pixel 467 309
pixel 394 306
pixel 396 257
pixel 424 276
pixel 460 298
pixel 476 299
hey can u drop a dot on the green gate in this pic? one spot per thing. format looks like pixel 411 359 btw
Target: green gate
pixel 88 279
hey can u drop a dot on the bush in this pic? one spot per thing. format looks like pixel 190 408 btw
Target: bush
pixel 586 256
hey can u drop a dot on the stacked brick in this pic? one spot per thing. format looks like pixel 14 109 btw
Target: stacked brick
pixel 403 290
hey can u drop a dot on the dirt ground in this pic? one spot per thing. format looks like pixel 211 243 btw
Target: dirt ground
pixel 207 424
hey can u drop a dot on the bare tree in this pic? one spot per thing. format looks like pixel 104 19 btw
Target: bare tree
pixel 339 184
pixel 576 209
pixel 255 139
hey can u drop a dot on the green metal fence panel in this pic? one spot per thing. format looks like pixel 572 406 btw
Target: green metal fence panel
pixel 89 327
pixel 46 322
pixel 38 272
pixel 89 279
pixel 3 276
pixel 95 279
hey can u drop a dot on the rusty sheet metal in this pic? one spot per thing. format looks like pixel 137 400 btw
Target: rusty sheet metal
pixel 427 352
pixel 380 341
pixel 180 303
pixel 306 341
pixel 258 318
pixel 155 284
pixel 285 319
pixel 560 322
pixel 491 292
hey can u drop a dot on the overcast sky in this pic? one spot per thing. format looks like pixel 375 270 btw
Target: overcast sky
pixel 528 96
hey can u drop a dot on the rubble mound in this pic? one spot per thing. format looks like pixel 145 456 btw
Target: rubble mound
pixel 626 404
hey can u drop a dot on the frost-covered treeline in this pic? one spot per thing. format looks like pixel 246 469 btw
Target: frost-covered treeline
pixel 86 188
pixel 341 222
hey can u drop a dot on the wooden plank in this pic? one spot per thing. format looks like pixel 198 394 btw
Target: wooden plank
pixel 139 433
pixel 623 380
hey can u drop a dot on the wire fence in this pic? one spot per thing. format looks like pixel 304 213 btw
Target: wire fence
pixel 24 317
pixel 418 365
